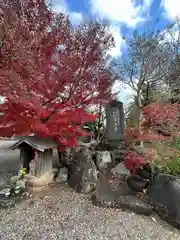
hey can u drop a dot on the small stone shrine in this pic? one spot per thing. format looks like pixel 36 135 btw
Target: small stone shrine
pixel 31 147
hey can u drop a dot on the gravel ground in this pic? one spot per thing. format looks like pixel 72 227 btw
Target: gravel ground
pixel 60 213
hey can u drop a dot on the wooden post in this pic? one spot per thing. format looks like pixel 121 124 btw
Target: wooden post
pixel 44 162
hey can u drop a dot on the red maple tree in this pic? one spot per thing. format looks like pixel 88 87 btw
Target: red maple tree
pixel 161 121
pixel 50 71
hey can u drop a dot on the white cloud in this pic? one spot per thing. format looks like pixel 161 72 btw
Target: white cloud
pixel 122 11
pixel 125 93
pixel 117 87
pixel 171 7
pixel 118 12
pixel 61 6
pixel 116 51
pixel 171 35
pixel 77 17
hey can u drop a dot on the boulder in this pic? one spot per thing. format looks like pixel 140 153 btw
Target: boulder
pixel 5 192
pixel 118 155
pixel 103 161
pixel 82 176
pixel 134 204
pixel 120 169
pixel 121 197
pixel 147 172
pixel 137 183
pixel 44 180
pixel 66 157
pixel 105 195
pixel 164 193
pixel 62 176
pixel 14 179
pixel 17 181
pixel 21 184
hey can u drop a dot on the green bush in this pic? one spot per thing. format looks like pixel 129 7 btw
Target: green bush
pixel 168 157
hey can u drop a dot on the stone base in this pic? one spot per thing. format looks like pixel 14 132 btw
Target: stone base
pixel 32 183
pixel 44 180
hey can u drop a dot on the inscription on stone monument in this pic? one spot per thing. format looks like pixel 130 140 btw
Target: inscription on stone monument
pixel 115 121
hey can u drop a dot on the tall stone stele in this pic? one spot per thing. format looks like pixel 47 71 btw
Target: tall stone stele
pixel 115 128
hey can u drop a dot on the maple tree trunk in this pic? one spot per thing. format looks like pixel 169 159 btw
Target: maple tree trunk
pixel 44 162
pixel 61 159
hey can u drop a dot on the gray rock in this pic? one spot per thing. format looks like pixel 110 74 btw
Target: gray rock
pixel 137 183
pixel 62 175
pixel 103 161
pixel 134 204
pixel 21 183
pixel 164 193
pixel 14 179
pixel 120 169
pixel 17 190
pixel 118 155
pixel 122 198
pixel 83 172
pixel 104 195
pixel 44 180
pixel 5 192
pixel 66 157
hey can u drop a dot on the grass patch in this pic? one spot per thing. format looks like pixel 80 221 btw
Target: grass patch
pixel 167 157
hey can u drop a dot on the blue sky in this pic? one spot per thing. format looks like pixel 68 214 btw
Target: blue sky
pixel 124 16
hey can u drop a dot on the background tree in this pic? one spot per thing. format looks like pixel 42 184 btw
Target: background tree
pixel 139 67
pixel 150 93
pixel 150 77
pixel 170 69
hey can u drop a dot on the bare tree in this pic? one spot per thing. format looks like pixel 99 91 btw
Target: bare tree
pixel 140 66
pixel 172 46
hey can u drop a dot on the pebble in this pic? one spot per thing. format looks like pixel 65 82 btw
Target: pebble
pixel 60 213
